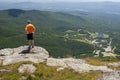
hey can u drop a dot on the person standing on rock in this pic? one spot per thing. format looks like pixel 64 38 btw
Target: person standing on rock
pixel 30 29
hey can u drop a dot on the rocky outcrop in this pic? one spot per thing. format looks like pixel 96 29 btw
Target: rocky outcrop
pixel 27 68
pixel 39 54
pixel 115 64
pixel 115 75
pixel 23 53
pixel 78 65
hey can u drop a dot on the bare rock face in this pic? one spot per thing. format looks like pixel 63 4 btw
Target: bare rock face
pixel 6 52
pixel 39 54
pixel 77 65
pixel 115 75
pixel 27 68
pixel 115 64
pixel 23 53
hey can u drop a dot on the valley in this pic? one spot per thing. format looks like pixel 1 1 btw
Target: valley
pixel 102 42
pixel 60 33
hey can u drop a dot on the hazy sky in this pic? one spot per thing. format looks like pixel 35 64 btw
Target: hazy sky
pixel 59 0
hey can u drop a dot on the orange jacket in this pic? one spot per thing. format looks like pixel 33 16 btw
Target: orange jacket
pixel 30 28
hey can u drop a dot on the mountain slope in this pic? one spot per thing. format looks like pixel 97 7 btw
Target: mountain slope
pixel 49 34
pixel 60 33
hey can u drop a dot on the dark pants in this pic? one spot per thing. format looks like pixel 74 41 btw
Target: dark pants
pixel 30 36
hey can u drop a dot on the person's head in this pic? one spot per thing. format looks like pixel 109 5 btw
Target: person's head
pixel 28 21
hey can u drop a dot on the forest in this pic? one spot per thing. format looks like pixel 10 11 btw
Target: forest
pixel 51 27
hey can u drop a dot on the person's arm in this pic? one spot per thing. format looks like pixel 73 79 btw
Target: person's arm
pixel 34 28
pixel 26 29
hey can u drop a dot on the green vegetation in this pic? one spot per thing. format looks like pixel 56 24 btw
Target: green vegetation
pixel 44 72
pixel 51 29
pixel 93 61
pixel 104 61
pixel 99 61
pixel 109 59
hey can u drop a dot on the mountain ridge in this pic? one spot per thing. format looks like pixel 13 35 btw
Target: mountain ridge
pixel 65 6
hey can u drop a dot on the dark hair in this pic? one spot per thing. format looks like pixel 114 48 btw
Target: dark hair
pixel 28 21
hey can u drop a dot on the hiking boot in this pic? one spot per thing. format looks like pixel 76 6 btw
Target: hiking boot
pixel 29 47
pixel 32 46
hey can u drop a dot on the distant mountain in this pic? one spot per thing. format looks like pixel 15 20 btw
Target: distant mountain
pixel 65 6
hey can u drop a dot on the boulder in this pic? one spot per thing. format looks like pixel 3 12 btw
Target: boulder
pixel 27 68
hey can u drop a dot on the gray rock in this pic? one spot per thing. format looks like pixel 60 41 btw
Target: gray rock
pixel 39 54
pixel 60 69
pixel 27 68
pixel 5 70
pixel 6 52
pixel 56 62
pixel 36 55
pixel 78 65
pixel 115 64
pixel 115 75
